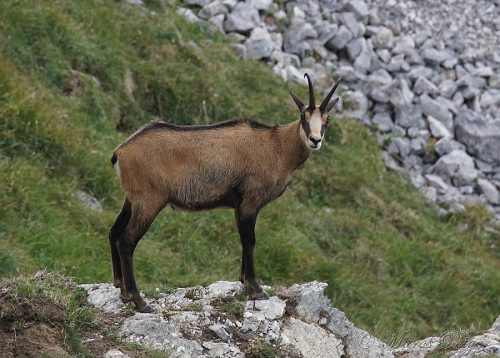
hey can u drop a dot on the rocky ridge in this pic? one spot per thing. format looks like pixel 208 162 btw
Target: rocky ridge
pixel 299 321
pixel 425 76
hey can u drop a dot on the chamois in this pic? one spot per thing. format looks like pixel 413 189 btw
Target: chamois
pixel 238 164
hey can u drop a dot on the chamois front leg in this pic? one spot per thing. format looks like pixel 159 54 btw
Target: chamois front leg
pixel 246 229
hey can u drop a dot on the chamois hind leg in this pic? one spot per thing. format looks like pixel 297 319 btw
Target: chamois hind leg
pixel 246 219
pixel 114 234
pixel 141 219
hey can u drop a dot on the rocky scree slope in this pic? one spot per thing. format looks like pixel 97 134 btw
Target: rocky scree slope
pixel 424 75
pixel 218 321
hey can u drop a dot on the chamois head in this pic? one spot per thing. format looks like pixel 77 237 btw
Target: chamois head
pixel 314 120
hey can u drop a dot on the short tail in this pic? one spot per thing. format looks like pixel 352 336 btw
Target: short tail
pixel 114 158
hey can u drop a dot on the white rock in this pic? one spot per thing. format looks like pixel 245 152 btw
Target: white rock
pixel 244 18
pixel 438 129
pixel 115 353
pixel 436 182
pixel 359 7
pixel 137 3
pixel 456 166
pixel 259 44
pixel 359 102
pixel 383 38
pixel 210 10
pixel 189 15
pixel 418 349
pixel 489 191
pixel 340 39
pixel 362 344
pixel 311 341
pixel 88 201
pixel 423 85
pixel 435 109
pixel 383 122
pixel 104 296
pixel 223 289
pixel 263 5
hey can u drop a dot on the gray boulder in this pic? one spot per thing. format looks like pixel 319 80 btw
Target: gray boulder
pixel 259 44
pixel 481 138
pixel 243 19
pixel 196 2
pixel 457 167
pixel 359 104
pixel 295 37
pixel 88 201
pixel 433 108
pixel 350 21
pixel 340 39
pixel 189 15
pixel 423 85
pixel 489 191
pixel 383 38
pixel 383 122
pixel 210 10
pixel 407 115
pixel 447 88
pixel 436 182
pixel 363 60
pixel 326 33
pixel 438 129
pixel 435 56
pixel 310 340
pixel 446 145
pixel 359 7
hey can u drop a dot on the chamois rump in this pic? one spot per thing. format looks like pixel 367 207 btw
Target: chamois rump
pixel 239 164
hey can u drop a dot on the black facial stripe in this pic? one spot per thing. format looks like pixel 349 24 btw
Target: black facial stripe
pixel 306 128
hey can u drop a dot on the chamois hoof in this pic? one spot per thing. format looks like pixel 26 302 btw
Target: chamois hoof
pixel 259 296
pixel 147 309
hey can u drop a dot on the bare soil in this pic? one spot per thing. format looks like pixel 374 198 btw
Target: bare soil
pixel 36 328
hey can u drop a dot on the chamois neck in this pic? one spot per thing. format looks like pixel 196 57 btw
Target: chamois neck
pixel 293 148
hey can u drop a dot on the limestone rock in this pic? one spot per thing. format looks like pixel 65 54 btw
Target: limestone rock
pixel 259 44
pixel 433 108
pixel 243 19
pixel 489 191
pixel 456 166
pixel 481 138
pixel 88 201
pixel 311 341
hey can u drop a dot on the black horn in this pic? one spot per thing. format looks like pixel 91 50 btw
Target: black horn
pixel 312 104
pixel 329 96
pixel 297 101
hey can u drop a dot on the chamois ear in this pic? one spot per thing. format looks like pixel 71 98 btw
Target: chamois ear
pixel 297 101
pixel 331 105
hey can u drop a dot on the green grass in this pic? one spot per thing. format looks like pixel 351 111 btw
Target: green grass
pixel 65 103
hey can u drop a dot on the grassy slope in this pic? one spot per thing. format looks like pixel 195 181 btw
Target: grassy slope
pixel 390 262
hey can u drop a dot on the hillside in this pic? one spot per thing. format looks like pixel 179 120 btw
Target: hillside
pixel 77 77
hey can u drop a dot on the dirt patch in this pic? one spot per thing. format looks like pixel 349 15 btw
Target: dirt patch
pixel 31 328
